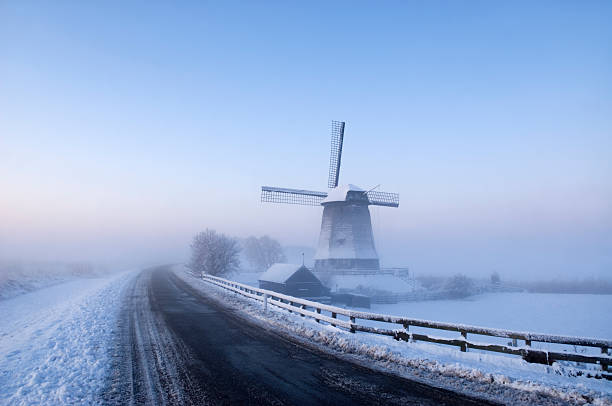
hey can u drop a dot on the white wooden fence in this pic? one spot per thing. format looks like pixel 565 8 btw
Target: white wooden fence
pixel 329 314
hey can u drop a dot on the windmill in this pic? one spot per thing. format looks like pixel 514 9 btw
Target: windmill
pixel 346 240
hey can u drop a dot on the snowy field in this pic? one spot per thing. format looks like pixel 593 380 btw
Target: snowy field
pixel 565 314
pixel 17 278
pixel 497 377
pixel 54 341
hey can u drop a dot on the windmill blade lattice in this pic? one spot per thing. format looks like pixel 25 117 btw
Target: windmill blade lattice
pixel 336 153
pixel 272 194
pixel 378 198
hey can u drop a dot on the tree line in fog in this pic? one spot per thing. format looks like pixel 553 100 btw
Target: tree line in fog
pixel 591 285
pixel 219 254
pixel 460 285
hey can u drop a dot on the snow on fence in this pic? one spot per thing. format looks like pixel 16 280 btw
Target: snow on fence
pixel 301 306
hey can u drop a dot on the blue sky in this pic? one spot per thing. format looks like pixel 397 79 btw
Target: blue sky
pixel 126 128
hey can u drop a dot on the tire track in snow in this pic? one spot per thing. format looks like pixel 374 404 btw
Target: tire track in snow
pixel 151 363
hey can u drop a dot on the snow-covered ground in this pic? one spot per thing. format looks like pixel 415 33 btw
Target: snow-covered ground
pixel 551 313
pixel 565 314
pixel 54 342
pixel 17 278
pixel 505 379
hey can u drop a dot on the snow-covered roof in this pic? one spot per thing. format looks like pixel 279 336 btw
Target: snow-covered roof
pixel 338 194
pixel 279 273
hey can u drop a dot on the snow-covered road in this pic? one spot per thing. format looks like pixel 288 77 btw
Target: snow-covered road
pixel 165 337
pixel 151 365
pixel 181 347
pixel 500 378
pixel 54 343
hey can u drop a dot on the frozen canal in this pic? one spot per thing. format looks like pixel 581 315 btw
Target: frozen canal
pixel 580 315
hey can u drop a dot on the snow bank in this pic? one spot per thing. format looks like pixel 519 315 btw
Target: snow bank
pixel 17 278
pixel 509 380
pixel 54 343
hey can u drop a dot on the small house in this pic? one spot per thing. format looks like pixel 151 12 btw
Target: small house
pixel 292 280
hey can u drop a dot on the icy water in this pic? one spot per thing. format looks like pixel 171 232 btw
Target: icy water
pixel 579 315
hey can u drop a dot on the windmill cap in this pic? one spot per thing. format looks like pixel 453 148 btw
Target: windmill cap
pixel 345 193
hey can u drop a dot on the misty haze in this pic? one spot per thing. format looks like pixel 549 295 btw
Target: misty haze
pixel 305 203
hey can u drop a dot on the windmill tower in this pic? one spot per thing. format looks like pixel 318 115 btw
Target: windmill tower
pixel 346 240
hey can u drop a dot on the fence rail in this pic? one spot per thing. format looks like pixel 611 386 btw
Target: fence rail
pixel 301 306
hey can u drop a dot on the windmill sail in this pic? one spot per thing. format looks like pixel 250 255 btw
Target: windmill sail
pixel 346 240
pixel 336 153
pixel 272 194
pixel 378 198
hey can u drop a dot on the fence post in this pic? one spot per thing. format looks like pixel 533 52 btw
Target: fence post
pixel 464 344
pixel 265 303
pixel 303 307
pixel 352 322
pixel 333 317
pixel 319 312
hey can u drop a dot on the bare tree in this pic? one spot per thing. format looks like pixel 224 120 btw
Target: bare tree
pixel 262 252
pixel 214 254
pixel 251 250
pixel 459 286
pixel 495 279
pixel 81 268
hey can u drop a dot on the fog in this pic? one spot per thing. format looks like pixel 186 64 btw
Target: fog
pixel 436 249
pixel 117 147
pixel 149 217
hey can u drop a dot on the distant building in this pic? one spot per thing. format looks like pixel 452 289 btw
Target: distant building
pixel 346 241
pixel 351 299
pixel 293 280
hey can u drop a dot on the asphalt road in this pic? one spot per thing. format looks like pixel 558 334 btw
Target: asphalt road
pixel 179 347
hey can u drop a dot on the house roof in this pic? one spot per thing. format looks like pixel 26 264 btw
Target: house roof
pixel 279 273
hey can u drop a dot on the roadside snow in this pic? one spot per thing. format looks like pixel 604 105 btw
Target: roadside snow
pixel 17 278
pixel 54 342
pixel 508 380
